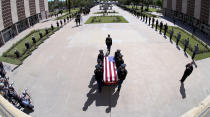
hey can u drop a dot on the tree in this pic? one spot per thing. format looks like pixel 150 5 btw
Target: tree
pixel 159 3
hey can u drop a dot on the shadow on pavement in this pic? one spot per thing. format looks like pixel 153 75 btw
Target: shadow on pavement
pixel 108 97
pixel 182 91
pixel 27 111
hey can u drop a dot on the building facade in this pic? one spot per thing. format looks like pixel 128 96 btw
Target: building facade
pixel 193 12
pixel 18 15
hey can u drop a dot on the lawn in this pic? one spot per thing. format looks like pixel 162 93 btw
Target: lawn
pixel 106 19
pixel 107 12
pixel 66 14
pixel 9 55
pixel 204 50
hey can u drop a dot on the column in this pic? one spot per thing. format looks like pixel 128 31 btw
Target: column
pixel 29 25
pixel 197 9
pixel 16 29
pixel 2 37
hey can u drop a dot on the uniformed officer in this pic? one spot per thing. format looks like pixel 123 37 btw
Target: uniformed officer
pixel 186 44
pixel 195 51
pixel 146 18
pixel 153 20
pixel 122 73
pixel 99 76
pixel 117 54
pixel 68 18
pixel 161 26
pixel 108 43
pixel 187 72
pixel 46 31
pixel 119 61
pixel 149 20
pixel 156 24
pixel 165 29
pixel 100 56
pixel 64 20
pixel 61 22
pixel 33 39
pixel 143 17
pixel 178 38
pixel 52 27
pixel 27 45
pixel 171 33
pixel 40 35
pixel 17 53
pixel 57 24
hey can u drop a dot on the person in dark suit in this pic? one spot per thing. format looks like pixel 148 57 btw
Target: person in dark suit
pixel 187 72
pixel 149 20
pixel 108 43
pixel 52 27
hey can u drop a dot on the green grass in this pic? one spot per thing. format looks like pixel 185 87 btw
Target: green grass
pixel 9 55
pixel 66 14
pixel 139 7
pixel 204 50
pixel 106 19
pixel 104 12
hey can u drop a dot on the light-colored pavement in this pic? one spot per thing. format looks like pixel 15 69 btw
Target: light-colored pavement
pixel 59 73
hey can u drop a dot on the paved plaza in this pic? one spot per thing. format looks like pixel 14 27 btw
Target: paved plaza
pixel 59 74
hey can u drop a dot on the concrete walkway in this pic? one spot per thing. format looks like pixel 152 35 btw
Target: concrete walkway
pixel 59 73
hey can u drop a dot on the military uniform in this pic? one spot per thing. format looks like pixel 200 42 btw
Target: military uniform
pixel 178 38
pixel 171 33
pixel 122 73
pixel 109 43
pixel 40 35
pixel 153 20
pixel 166 28
pixel 57 24
pixel 100 56
pixel 27 45
pixel 149 20
pixel 161 26
pixel 156 24
pixel 33 39
pixel 99 76
pixel 195 51
pixel 52 27
pixel 186 44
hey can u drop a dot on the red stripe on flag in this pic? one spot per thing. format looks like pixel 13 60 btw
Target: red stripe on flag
pixel 106 68
pixel 110 71
pixel 115 77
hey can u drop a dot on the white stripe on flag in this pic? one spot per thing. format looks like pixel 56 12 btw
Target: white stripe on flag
pixel 108 72
pixel 113 78
pixel 104 71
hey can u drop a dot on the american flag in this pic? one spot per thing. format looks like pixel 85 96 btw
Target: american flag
pixel 110 71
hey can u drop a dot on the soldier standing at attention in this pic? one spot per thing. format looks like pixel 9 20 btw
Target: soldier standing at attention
pixel 27 45
pixel 57 24
pixel 195 51
pixel 165 29
pixel 33 39
pixel 61 22
pixel 149 20
pixel 186 44
pixel 171 33
pixel 52 27
pixel 40 35
pixel 161 26
pixel 153 21
pixel 108 43
pixel 178 38
pixel 122 73
pixel 146 18
pixel 156 25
